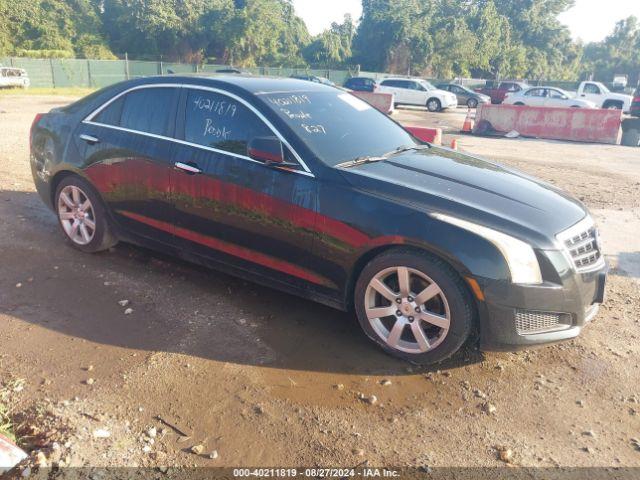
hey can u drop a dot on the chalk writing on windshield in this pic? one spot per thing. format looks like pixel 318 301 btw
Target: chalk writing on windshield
pixel 300 115
pixel 314 128
pixel 290 100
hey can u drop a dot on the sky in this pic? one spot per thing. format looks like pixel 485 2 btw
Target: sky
pixel 589 20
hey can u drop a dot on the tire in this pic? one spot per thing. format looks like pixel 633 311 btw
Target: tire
pixel 434 105
pixel 519 104
pixel 452 306
pixel 93 232
pixel 631 138
pixel 472 103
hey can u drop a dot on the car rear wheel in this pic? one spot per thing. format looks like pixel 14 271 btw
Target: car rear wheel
pixel 472 103
pixel 434 105
pixel 414 306
pixel 519 104
pixel 82 217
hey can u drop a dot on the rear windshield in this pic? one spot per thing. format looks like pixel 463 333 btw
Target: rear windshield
pixel 338 126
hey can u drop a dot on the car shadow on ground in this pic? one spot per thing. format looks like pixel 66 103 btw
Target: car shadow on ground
pixel 177 306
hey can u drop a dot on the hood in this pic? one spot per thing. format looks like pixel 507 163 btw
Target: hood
pixel 444 181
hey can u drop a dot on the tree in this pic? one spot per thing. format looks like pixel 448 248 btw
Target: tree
pixel 332 48
pixel 618 53
pixel 71 27
pixel 394 35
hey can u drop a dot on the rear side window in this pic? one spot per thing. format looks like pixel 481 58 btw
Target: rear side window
pixel 217 121
pixel 147 110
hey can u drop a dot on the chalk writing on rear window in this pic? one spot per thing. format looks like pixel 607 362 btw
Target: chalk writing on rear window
pixel 210 129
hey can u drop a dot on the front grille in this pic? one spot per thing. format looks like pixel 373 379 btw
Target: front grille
pixel 529 322
pixel 582 244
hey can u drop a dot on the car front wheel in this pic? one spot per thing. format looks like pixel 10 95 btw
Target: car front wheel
pixel 472 103
pixel 82 216
pixel 414 306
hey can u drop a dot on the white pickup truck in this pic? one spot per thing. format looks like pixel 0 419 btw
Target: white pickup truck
pixel 599 94
pixel 13 77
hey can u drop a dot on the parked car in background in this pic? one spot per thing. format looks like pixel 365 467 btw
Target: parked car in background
pixel 308 189
pixel 233 71
pixel 314 78
pixel 14 77
pixel 361 84
pixel 635 104
pixel 465 95
pixel 546 97
pixel 409 91
pixel 603 98
pixel 497 91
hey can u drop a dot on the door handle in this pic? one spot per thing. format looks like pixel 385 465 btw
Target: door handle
pixel 187 168
pixel 89 139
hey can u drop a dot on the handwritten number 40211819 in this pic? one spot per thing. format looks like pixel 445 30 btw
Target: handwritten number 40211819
pixel 221 107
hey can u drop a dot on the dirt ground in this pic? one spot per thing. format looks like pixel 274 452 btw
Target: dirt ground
pixel 260 378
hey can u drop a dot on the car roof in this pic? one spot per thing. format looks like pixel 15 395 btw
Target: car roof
pixel 249 84
pixel 403 78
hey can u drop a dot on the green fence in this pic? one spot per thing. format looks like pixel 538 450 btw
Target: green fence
pixel 60 73
pixel 72 72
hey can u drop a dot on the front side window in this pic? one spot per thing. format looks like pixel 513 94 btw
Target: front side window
pixel 146 110
pixel 557 94
pixel 218 121
pixel 591 89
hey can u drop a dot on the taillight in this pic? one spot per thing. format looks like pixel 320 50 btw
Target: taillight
pixel 636 100
pixel 37 118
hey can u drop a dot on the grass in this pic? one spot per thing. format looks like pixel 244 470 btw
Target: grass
pixel 69 92
pixel 6 425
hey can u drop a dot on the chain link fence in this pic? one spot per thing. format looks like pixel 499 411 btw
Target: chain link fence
pixel 71 72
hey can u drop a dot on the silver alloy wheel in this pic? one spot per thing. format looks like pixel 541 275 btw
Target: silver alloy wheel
pixel 432 105
pixel 76 215
pixel 407 310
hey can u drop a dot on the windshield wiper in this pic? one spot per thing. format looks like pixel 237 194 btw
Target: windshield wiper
pixel 400 150
pixel 360 161
pixel 386 156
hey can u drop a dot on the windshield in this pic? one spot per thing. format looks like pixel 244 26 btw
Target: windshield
pixel 338 126
pixel 604 89
pixel 427 85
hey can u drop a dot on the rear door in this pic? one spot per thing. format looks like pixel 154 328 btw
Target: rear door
pixel 128 152
pixel 233 210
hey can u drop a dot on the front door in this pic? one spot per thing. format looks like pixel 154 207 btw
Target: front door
pixel 128 152
pixel 231 209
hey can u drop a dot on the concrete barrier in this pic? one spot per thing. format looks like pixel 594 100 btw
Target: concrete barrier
pixel 575 124
pixel 430 135
pixel 380 101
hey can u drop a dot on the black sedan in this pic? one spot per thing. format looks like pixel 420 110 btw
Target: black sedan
pixel 305 188
pixel 466 96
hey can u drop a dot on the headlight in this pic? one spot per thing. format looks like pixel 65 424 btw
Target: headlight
pixel 520 257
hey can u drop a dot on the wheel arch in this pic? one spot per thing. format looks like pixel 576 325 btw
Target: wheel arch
pixel 613 103
pixel 372 253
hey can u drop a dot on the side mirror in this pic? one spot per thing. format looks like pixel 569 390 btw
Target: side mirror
pixel 267 150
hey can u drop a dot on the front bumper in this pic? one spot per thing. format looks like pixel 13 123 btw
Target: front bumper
pixel 575 298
